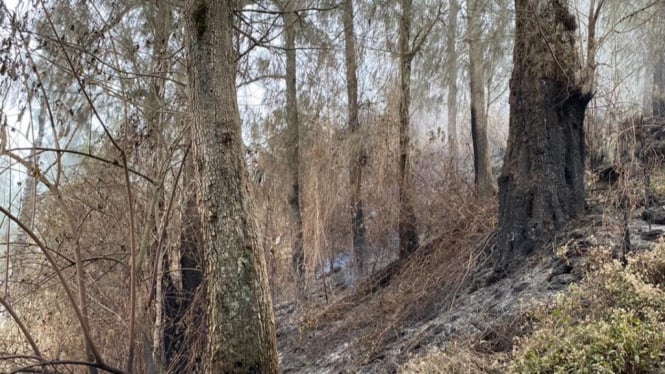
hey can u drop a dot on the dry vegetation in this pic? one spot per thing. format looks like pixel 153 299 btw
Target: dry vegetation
pixel 387 318
pixel 384 310
pixel 401 316
pixel 612 320
pixel 405 293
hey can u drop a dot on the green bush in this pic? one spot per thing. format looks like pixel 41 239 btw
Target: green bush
pixel 613 322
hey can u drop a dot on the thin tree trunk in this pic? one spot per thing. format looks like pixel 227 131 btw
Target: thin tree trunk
pixel 357 148
pixel 541 188
pixel 241 327
pixel 658 93
pixel 481 156
pixel 658 97
pixel 452 80
pixel 174 345
pixel 159 18
pixel 293 146
pixel 408 235
pixel 595 139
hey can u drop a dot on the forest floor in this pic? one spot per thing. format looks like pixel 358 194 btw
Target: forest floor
pixel 445 292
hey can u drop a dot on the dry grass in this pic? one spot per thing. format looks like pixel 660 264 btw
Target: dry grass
pixel 457 359
pixel 413 290
pixel 458 230
pixel 325 151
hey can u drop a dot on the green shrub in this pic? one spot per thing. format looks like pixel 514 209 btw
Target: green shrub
pixel 613 322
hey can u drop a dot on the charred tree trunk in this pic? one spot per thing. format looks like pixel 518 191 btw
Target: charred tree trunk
pixel 408 234
pixel 239 315
pixel 541 187
pixel 357 148
pixel 481 155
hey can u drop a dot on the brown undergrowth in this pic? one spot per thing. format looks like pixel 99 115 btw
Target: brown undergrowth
pixel 411 290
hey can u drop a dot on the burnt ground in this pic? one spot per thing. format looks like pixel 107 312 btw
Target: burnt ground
pixel 445 292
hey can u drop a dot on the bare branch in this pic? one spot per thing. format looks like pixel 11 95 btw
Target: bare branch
pixel 70 295
pixel 22 327
pixel 84 154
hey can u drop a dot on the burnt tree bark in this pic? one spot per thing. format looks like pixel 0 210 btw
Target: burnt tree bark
pixel 240 334
pixel 541 187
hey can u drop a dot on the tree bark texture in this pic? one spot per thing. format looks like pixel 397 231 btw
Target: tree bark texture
pixel 240 334
pixel 358 151
pixel 481 155
pixel 541 188
pixel 293 145
pixel 408 234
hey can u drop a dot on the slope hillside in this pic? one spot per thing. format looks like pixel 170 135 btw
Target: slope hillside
pixel 444 310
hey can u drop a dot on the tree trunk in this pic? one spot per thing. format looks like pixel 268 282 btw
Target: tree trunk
pixel 658 97
pixel 408 235
pixel 658 93
pixel 541 188
pixel 357 149
pixel 240 322
pixel 452 80
pixel 293 146
pixel 173 346
pixel 481 156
